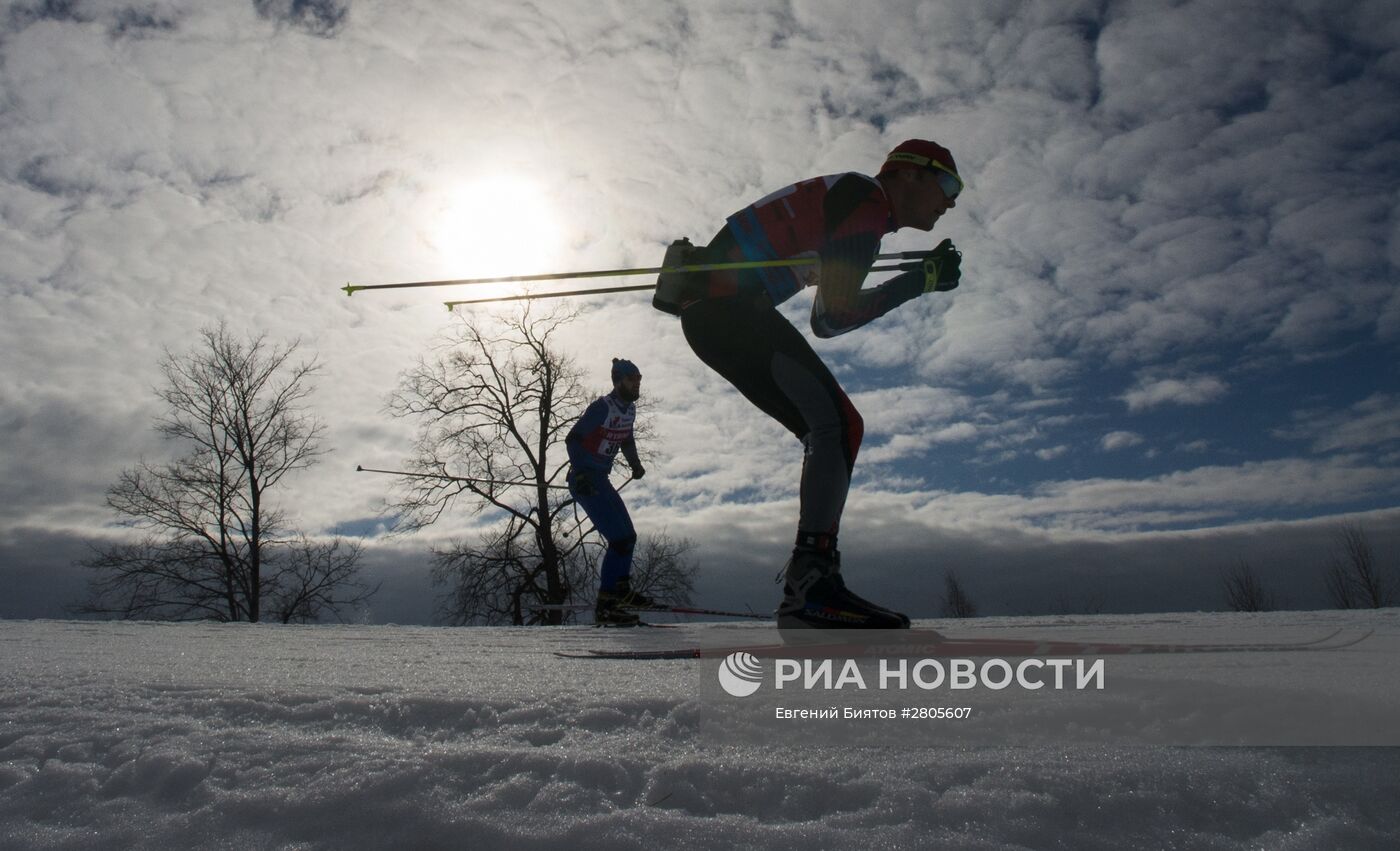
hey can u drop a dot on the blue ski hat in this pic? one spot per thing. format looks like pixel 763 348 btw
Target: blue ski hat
pixel 622 368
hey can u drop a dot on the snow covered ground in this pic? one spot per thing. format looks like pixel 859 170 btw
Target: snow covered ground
pixel 198 735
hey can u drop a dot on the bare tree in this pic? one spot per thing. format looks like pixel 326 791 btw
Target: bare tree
pixel 216 547
pixel 1245 590
pixel 493 405
pixel 1353 578
pixel 662 570
pixel 956 602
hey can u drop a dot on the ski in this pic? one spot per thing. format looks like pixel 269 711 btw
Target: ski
pixel 931 644
pixel 689 610
pixel 670 610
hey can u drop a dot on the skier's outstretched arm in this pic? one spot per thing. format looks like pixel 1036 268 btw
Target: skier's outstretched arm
pixel 842 305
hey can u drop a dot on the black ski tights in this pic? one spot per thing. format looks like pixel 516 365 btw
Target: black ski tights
pixel 748 342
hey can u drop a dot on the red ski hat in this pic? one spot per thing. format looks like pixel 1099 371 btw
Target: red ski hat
pixel 918 154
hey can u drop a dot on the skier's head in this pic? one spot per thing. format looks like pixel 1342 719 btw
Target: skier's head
pixel 921 181
pixel 627 380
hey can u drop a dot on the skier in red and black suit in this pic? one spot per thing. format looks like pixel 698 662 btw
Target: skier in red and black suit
pixel 731 322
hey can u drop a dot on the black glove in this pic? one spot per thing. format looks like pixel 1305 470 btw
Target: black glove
pixel 583 484
pixel 942 268
pixel 638 471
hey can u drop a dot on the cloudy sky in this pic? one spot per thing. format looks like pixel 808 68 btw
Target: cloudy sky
pixel 1175 344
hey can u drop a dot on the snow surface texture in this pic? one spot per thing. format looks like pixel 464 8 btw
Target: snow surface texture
pixel 234 736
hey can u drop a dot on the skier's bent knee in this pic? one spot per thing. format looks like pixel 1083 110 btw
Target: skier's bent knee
pixel 623 546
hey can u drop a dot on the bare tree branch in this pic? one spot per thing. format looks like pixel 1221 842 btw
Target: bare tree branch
pixel 956 602
pixel 662 570
pixel 1245 590
pixel 1353 578
pixel 316 577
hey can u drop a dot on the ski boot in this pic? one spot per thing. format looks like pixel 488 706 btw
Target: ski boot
pixel 815 597
pixel 836 554
pixel 628 598
pixel 609 612
pixel 612 606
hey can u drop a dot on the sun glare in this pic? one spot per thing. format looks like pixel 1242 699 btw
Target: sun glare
pixel 500 225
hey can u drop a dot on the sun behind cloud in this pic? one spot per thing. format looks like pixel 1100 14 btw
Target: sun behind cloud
pixel 497 225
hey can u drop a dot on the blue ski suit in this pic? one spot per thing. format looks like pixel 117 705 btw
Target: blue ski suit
pixel 593 443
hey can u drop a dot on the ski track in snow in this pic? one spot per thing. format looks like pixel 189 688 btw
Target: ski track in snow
pixel 235 736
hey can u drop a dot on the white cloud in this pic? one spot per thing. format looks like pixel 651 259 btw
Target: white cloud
pixel 1115 440
pixel 1196 497
pixel 1196 390
pixel 1370 424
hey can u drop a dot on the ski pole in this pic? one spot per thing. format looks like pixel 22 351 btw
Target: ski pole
pixel 360 469
pixel 529 296
pixel 451 305
pixel 351 289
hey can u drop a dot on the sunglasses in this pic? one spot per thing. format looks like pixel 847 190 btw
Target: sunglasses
pixel 948 181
